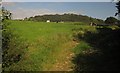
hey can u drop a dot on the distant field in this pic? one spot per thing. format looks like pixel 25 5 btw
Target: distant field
pixel 50 44
pixel 34 30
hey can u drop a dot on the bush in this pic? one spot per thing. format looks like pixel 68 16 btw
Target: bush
pixel 111 20
pixel 13 47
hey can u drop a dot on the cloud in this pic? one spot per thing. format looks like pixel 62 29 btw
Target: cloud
pixel 8 3
pixel 21 13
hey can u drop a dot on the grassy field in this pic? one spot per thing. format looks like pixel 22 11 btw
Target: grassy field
pixel 51 46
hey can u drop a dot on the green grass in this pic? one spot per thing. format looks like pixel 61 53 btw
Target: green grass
pixel 45 42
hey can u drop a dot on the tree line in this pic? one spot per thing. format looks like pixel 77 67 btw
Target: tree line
pixel 73 18
pixel 64 18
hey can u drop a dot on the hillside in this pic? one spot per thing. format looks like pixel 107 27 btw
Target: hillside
pixel 65 18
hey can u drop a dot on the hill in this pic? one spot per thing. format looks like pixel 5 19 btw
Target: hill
pixel 65 18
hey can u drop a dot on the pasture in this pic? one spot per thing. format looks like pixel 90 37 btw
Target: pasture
pixel 50 46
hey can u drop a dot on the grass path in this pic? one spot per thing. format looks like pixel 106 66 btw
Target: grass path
pixel 63 63
pixel 50 45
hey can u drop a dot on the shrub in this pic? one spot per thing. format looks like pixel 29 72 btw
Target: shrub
pixel 12 45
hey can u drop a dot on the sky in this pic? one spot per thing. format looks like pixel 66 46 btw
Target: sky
pixel 100 10
pixel 58 0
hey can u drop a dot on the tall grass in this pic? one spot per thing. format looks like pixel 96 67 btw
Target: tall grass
pixel 44 42
pixel 98 50
pixel 12 45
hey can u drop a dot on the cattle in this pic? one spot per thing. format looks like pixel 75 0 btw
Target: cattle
pixel 93 24
pixel 48 21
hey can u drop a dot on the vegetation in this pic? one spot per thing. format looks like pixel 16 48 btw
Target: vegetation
pixel 111 20
pixel 6 14
pixel 98 51
pixel 68 46
pixel 65 18
pixel 60 46
pixel 46 42
pixel 118 7
pixel 12 46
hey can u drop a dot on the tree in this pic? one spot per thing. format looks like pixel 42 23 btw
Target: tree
pixel 118 7
pixel 6 14
pixel 111 20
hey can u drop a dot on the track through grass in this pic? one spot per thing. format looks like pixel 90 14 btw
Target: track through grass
pixel 50 45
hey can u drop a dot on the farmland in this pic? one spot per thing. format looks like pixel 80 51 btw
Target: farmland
pixel 56 46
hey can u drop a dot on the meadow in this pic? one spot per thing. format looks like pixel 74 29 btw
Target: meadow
pixel 51 46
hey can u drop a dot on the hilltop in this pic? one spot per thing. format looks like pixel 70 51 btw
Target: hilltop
pixel 65 18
